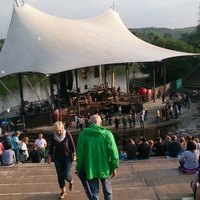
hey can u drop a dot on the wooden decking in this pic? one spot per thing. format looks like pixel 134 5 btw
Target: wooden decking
pixel 155 179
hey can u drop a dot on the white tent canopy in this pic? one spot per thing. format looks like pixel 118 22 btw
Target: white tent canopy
pixel 38 42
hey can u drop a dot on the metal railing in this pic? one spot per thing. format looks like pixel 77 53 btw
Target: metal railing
pixel 194 70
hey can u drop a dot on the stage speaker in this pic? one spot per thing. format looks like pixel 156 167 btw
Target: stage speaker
pixel 63 86
pixel 69 80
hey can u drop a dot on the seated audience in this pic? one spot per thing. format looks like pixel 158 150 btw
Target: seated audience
pixel 166 144
pixel 174 147
pixel 122 155
pixel 158 147
pixel 35 155
pixel 143 149
pixel 189 158
pixel 182 143
pixel 131 150
pixel 151 143
pixel 8 157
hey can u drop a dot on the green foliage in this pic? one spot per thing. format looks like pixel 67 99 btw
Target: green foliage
pixel 185 40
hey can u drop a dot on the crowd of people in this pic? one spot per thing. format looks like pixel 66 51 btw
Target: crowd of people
pixel 15 151
pixel 171 147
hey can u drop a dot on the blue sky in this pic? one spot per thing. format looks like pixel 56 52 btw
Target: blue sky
pixel 134 13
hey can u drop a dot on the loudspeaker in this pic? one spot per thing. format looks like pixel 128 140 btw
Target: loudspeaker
pixel 69 80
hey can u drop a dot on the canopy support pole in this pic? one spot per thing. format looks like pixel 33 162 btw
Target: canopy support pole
pixel 127 77
pixel 113 76
pixel 58 94
pixel 77 92
pixel 100 75
pixel 22 100
pixel 154 84
pixel 164 74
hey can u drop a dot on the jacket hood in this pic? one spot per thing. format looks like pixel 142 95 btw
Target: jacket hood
pixel 94 130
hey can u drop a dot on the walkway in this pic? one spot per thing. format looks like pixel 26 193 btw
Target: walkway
pixel 153 179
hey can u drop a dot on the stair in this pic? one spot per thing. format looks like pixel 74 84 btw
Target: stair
pixel 156 178
pixel 192 80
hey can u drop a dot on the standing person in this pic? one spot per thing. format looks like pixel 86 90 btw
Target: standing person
pixel 130 120
pixel 119 110
pixel 158 116
pixel 23 149
pixel 41 144
pixel 101 165
pixel 124 122
pixel 62 147
pixel 15 145
pixel 142 120
pixel 117 122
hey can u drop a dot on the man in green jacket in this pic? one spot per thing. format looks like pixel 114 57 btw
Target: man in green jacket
pixel 97 157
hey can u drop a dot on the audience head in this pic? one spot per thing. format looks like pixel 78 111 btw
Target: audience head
pixel 142 139
pixel 159 139
pixel 174 138
pixel 4 133
pixel 130 141
pixel 191 146
pixel 8 147
pixel 168 138
pixel 189 138
pixel 151 142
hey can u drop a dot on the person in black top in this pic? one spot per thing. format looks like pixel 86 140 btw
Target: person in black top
pixel 158 147
pixel 131 150
pixel 143 149
pixel 174 147
pixel 62 148
pixel 35 155
pixel 6 140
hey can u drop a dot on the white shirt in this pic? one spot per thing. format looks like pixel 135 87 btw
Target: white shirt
pixel 41 143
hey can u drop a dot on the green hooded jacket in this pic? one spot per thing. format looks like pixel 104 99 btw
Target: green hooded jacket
pixel 97 153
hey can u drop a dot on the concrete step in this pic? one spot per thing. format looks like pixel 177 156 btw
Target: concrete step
pixel 156 178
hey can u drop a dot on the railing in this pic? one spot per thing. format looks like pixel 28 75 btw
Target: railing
pixel 184 79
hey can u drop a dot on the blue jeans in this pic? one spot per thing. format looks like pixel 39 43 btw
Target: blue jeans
pixel 16 155
pixel 63 169
pixel 106 185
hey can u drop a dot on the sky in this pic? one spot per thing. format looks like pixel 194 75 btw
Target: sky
pixel 134 13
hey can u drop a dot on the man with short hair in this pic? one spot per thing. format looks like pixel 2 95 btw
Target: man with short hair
pixel 41 145
pixel 97 157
